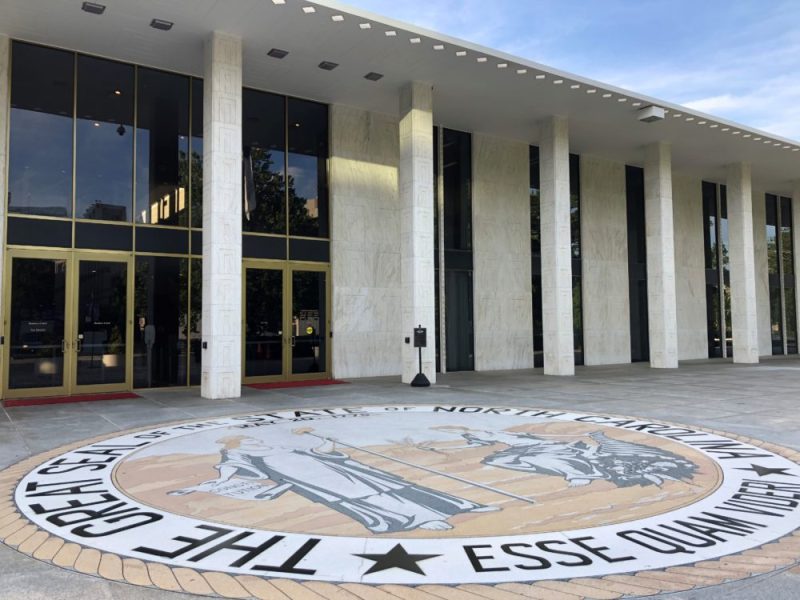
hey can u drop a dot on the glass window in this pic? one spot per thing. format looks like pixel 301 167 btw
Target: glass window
pixel 42 103
pixel 457 160
pixel 535 192
pixel 264 156
pixel 160 324
pixel 308 168
pixel 162 148
pixel 197 153
pixel 104 140
pixel 575 203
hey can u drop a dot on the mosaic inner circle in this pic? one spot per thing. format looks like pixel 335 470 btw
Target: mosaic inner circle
pixel 417 494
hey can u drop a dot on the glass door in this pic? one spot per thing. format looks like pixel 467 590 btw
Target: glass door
pixel 102 328
pixel 285 322
pixel 36 324
pixel 263 322
pixel 309 323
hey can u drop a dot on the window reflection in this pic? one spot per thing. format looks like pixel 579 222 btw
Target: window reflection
pixel 160 324
pixel 196 322
pixel 308 177
pixel 197 153
pixel 104 140
pixel 162 149
pixel 264 158
pixel 40 167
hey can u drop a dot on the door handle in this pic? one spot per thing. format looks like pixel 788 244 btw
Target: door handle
pixel 63 346
pixel 78 345
pixel 294 341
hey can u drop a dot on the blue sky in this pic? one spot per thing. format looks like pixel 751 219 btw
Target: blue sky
pixel 738 59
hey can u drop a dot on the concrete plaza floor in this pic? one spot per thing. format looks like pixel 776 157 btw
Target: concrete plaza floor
pixel 756 401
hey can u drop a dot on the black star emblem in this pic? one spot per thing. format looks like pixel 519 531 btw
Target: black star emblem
pixel 762 471
pixel 396 558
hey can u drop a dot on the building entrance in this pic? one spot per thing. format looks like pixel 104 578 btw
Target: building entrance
pixel 67 324
pixel 285 321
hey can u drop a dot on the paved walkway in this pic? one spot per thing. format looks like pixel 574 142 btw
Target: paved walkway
pixel 756 401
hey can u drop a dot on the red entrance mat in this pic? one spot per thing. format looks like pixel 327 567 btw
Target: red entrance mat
pixel 295 384
pixel 69 399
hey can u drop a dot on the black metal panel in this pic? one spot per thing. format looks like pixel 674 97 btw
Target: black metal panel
pixel 456 260
pixel 309 250
pixel 100 236
pixel 266 247
pixel 39 232
pixel 197 243
pixel 162 240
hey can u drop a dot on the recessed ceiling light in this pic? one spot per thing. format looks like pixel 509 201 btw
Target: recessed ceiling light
pixel 522 71
pixel 786 147
pixel 279 1
pixel 277 53
pixel 777 144
pixel 365 25
pixel 739 133
pixel 326 65
pixel 541 76
pixel 713 126
pixel 461 53
pixel 689 119
pixel 795 149
pixel 372 76
pixel 758 139
pixel 575 86
pixel 415 40
pixel 391 33
pixel 161 24
pixel 677 115
pixel 482 59
pixel 502 65
pixel 309 10
pixel 622 99
pixel 96 124
pixel 337 18
pixel 607 95
pixel 591 91
pixel 558 81
pixel 725 129
pixel 439 47
pixel 702 122
pixel 118 92
pixel 769 142
pixel 94 8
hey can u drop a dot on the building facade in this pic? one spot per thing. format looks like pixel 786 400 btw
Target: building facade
pixel 216 193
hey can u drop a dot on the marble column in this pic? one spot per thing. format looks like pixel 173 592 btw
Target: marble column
pixel 744 304
pixel 5 63
pixel 222 218
pixel 556 236
pixel 796 241
pixel 416 226
pixel 661 297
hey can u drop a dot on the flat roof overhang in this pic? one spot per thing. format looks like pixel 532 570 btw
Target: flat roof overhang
pixel 476 89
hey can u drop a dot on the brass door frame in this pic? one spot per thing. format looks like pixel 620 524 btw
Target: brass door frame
pixel 286 268
pixel 102 256
pixel 72 259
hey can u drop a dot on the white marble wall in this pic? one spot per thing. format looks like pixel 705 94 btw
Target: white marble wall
pixel 222 218
pixel 604 240
pixel 762 273
pixel 365 243
pixel 416 225
pixel 559 339
pixel 690 274
pixel 5 58
pixel 744 307
pixel 501 240
pixel 661 292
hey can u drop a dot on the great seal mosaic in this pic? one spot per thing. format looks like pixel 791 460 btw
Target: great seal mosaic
pixel 413 495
